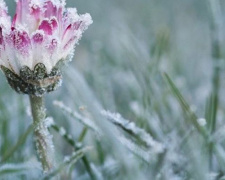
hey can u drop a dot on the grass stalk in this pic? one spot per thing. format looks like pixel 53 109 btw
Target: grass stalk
pixel 20 141
pixel 214 6
pixel 70 141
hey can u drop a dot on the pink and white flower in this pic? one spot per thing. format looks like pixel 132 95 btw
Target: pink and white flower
pixel 41 32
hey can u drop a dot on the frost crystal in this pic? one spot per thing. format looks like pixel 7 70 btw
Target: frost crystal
pixel 201 121
pixel 62 131
pixel 49 121
pixel 87 122
pixel 44 144
pixel 131 127
pixel 43 33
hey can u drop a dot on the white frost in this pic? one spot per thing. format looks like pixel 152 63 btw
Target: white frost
pixel 201 121
pixel 130 126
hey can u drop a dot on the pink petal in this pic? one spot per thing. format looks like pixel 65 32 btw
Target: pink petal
pixel 50 9
pixel 52 46
pixel 14 20
pixel 38 37
pixel 1 37
pixel 69 16
pixel 19 12
pixel 22 9
pixel 68 29
pixel 77 25
pixel 60 14
pixel 70 42
pixel 48 26
pixel 54 23
pixel 2 43
pixel 86 20
pixel 20 41
pixel 35 11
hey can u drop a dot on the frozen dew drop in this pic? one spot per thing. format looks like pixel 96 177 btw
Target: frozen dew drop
pixel 202 121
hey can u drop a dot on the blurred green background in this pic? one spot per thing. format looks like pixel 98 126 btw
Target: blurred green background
pixel 119 66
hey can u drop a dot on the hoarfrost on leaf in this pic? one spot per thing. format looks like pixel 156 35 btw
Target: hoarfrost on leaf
pixel 117 119
pixel 49 121
pixel 202 121
pixel 87 122
pixel 62 131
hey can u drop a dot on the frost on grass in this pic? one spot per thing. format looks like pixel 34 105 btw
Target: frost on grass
pixel 68 162
pixel 111 166
pixel 49 121
pixel 145 153
pixel 130 127
pixel 202 121
pixel 62 131
pixel 30 169
pixel 83 120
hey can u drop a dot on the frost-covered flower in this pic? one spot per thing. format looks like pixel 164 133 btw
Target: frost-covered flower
pixel 42 34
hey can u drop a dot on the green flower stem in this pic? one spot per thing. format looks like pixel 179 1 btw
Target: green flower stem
pixel 44 144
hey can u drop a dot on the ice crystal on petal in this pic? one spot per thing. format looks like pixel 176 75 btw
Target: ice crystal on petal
pixel 45 25
pixel 35 4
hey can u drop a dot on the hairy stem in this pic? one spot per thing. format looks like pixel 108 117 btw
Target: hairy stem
pixel 44 144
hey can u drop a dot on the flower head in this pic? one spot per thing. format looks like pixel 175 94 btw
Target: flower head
pixel 42 34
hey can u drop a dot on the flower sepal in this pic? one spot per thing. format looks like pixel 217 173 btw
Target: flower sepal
pixel 34 82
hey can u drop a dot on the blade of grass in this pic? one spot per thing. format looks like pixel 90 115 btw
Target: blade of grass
pixel 185 106
pixel 20 141
pixel 72 160
pixel 134 131
pixel 83 120
pixel 216 36
pixel 15 169
pixel 130 145
pixel 193 117
pixel 69 140
pixel 83 134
